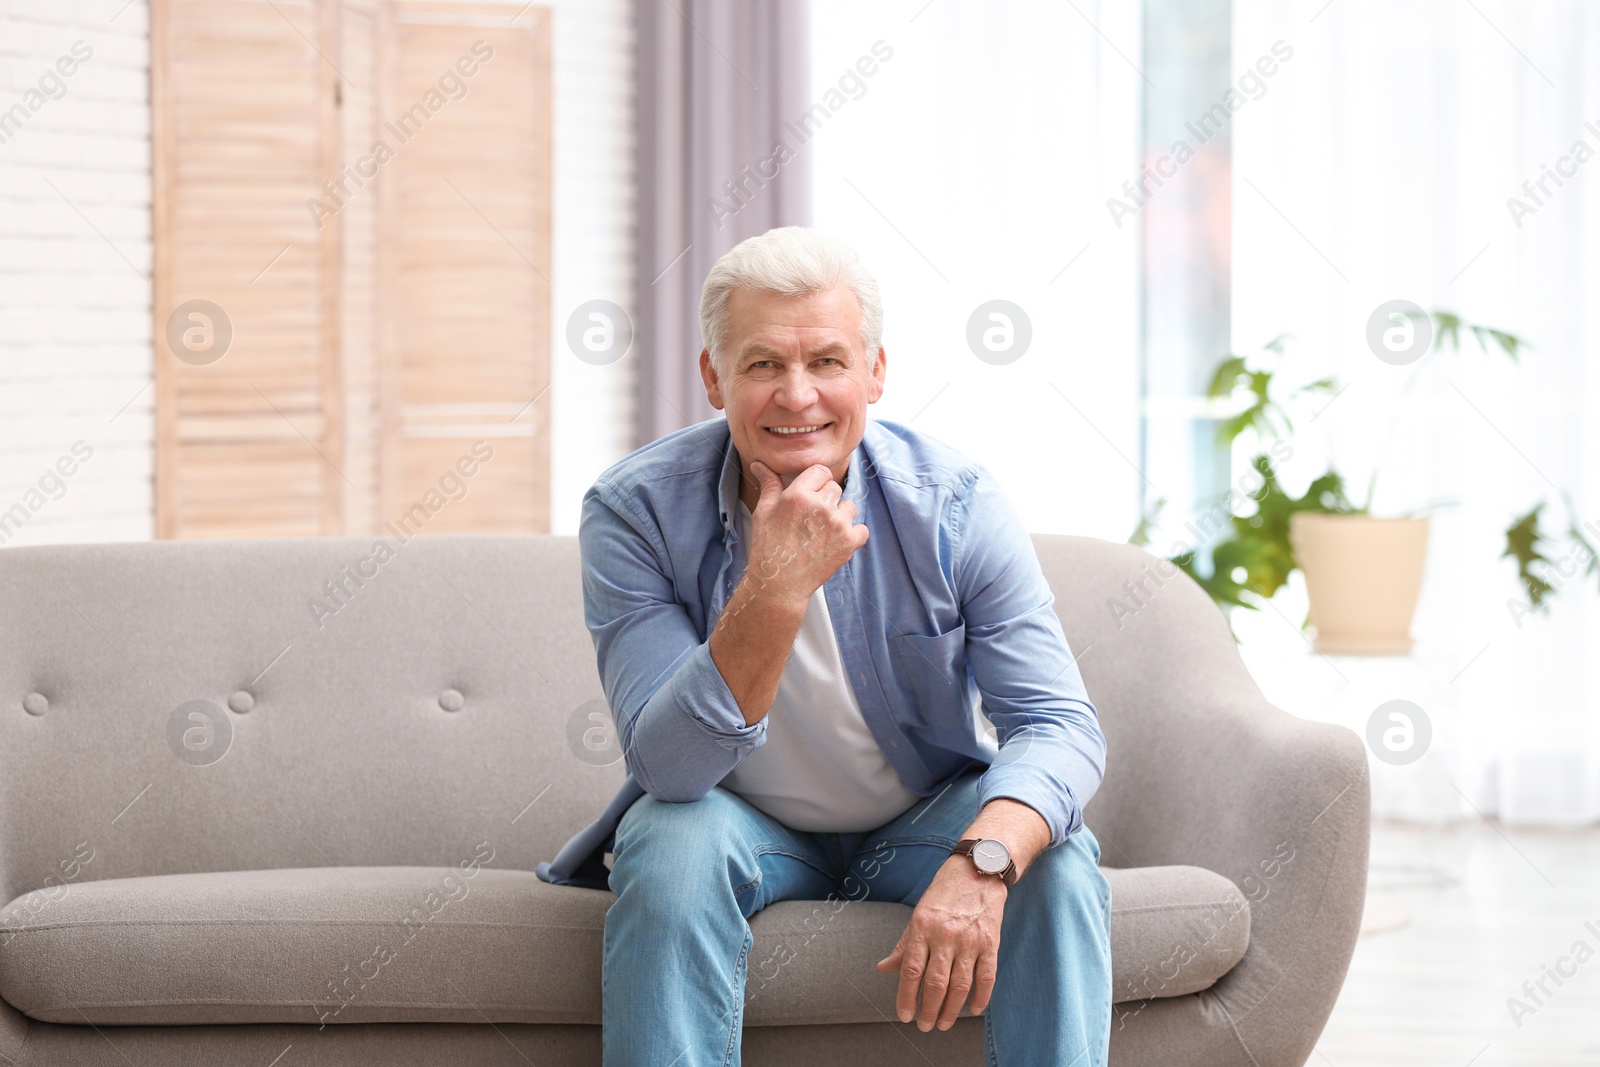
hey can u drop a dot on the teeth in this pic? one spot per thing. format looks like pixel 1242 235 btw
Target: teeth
pixel 793 429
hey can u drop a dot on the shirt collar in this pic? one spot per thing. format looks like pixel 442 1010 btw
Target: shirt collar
pixel 855 483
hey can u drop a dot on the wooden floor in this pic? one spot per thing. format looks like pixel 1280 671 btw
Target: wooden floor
pixel 1484 910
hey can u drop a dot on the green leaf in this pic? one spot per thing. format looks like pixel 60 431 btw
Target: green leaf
pixel 1254 558
pixel 1593 566
pixel 1522 543
pixel 1448 327
pixel 1225 378
pixel 1262 413
pixel 1509 343
pixel 1321 385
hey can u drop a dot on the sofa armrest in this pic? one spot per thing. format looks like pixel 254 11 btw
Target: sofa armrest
pixel 1282 807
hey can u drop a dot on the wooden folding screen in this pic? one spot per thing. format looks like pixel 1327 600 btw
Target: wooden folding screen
pixel 352 243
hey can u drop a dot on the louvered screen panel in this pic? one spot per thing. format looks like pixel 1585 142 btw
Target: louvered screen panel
pixel 464 267
pixel 244 133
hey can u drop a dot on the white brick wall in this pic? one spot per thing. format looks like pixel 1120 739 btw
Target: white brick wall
pixel 75 335
pixel 74 272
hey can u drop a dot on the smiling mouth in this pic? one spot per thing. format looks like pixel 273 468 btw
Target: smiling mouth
pixel 778 431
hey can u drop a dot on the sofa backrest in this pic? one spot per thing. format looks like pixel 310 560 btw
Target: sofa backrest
pixel 400 707
pixel 170 707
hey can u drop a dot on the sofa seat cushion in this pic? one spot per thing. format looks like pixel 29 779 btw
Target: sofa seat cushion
pixel 314 945
pixel 425 944
pixel 1174 930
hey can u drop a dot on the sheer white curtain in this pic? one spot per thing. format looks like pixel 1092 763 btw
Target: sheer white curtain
pixel 973 165
pixel 1379 166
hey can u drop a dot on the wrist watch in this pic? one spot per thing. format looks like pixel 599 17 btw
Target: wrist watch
pixel 989 856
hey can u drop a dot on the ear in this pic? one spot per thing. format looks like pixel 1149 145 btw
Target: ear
pixel 708 375
pixel 875 383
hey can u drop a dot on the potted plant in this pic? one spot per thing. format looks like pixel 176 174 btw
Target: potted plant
pixel 1363 572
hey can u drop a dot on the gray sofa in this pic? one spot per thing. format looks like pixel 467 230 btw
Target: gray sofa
pixel 278 802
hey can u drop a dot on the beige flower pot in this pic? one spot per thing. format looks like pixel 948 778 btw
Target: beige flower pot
pixel 1363 576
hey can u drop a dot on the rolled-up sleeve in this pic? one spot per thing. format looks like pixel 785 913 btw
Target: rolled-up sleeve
pixel 679 725
pixel 1052 750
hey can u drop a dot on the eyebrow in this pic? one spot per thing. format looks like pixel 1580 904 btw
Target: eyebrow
pixel 759 349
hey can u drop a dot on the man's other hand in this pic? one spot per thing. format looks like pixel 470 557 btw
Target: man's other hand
pixel 951 946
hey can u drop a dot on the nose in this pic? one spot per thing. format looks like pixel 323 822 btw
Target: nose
pixel 796 392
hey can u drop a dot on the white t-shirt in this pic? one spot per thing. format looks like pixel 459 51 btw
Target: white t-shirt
pixel 820 768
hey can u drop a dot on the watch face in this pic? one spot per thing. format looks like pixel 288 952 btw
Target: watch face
pixel 991 856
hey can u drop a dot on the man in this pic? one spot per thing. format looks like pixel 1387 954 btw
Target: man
pixel 793 609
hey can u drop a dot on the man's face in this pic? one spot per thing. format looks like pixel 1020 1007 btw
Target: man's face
pixel 794 361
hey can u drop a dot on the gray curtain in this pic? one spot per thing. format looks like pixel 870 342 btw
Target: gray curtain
pixel 722 87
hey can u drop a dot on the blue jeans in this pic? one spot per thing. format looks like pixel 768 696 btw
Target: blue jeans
pixel 688 877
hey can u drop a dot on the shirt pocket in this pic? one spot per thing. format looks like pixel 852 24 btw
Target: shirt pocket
pixel 932 671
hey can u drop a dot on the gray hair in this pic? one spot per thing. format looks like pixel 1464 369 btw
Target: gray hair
pixel 794 261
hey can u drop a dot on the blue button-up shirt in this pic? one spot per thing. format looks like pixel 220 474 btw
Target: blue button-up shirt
pixel 944 604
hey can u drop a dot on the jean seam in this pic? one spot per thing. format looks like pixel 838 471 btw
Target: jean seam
pixel 736 1027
